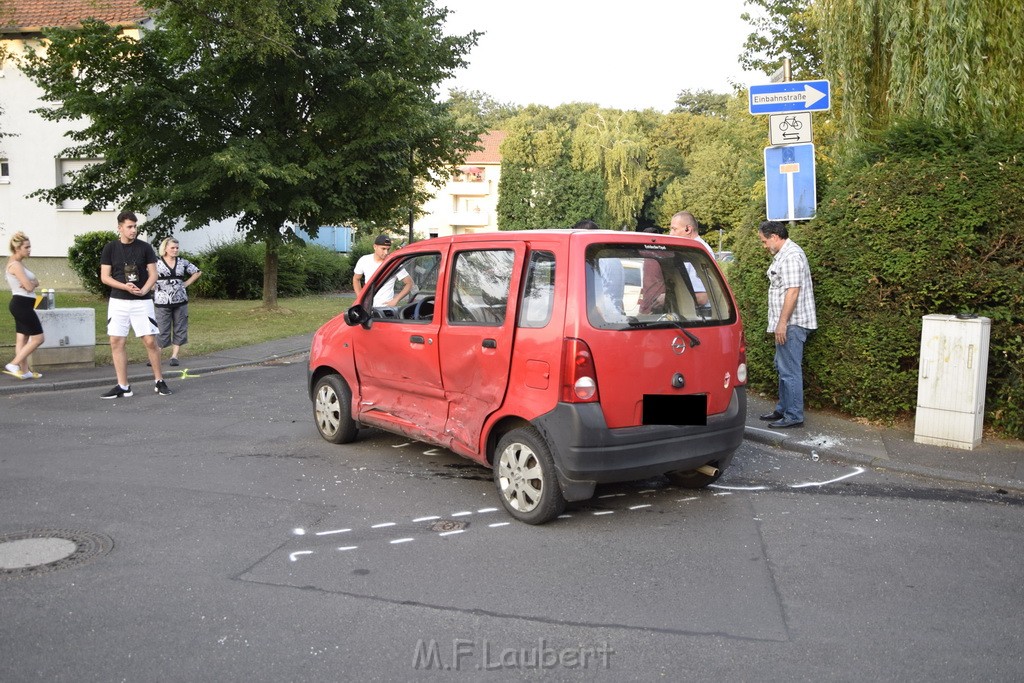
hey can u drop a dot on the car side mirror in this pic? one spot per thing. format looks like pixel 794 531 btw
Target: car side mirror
pixel 357 315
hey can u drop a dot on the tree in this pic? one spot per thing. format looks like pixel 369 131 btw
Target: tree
pixel 475 109
pixel 954 64
pixel 276 113
pixel 701 103
pixel 541 186
pixel 617 145
pixel 787 28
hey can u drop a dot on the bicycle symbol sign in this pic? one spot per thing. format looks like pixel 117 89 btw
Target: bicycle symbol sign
pixel 790 129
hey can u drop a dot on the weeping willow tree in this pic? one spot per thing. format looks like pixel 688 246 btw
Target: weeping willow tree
pixel 618 145
pixel 955 63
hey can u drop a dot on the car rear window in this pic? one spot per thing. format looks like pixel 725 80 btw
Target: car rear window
pixel 635 284
pixel 538 290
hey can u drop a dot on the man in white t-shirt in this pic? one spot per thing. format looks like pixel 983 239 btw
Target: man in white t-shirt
pixel 367 265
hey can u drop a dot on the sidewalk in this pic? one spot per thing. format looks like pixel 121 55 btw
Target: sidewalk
pixel 995 462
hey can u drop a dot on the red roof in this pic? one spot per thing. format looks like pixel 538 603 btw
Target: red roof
pixel 28 16
pixel 491 152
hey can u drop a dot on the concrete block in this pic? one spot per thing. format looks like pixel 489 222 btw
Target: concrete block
pixel 69 339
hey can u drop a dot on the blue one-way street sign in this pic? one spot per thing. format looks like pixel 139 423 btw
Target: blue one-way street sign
pixel 780 98
pixel 789 182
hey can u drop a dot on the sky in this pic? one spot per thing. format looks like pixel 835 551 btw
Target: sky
pixel 632 54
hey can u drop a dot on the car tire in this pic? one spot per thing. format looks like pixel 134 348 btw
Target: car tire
pixel 524 473
pixel 692 479
pixel 332 410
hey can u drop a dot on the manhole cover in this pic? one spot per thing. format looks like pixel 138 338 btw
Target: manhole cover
pixel 448 525
pixel 25 553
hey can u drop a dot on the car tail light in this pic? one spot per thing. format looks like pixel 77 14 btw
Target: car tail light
pixel 579 378
pixel 741 368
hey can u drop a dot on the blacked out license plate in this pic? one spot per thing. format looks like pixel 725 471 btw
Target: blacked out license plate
pixel 676 409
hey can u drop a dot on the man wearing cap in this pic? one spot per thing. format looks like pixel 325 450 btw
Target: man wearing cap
pixel 367 265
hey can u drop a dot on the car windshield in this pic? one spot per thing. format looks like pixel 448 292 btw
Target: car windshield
pixel 641 285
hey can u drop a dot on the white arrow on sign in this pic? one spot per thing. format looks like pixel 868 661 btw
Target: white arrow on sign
pixel 812 95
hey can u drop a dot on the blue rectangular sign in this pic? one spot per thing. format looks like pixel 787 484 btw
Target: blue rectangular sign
pixel 789 182
pixel 781 98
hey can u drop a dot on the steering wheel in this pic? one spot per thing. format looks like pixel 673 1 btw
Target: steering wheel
pixel 424 309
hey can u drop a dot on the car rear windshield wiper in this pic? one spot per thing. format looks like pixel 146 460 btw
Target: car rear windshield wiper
pixel 636 323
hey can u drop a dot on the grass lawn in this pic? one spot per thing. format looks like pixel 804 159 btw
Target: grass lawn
pixel 213 324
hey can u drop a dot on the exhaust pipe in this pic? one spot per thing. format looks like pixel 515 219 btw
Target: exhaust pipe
pixel 708 470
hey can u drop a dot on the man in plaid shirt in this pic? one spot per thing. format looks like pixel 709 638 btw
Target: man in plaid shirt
pixel 791 317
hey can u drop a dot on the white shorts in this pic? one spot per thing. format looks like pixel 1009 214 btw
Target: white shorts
pixel 125 314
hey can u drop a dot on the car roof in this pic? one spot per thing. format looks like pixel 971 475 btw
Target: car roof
pixel 562 234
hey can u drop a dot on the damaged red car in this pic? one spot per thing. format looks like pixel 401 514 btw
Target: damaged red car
pixel 560 359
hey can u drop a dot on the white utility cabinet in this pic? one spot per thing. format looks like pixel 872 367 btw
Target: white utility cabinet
pixel 951 381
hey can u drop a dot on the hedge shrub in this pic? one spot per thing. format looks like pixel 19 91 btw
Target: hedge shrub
pixel 84 258
pixel 924 221
pixel 232 270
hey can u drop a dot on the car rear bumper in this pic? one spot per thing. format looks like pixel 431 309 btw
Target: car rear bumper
pixel 587 452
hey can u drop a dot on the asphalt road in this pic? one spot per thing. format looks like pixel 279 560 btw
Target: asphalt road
pixel 245 548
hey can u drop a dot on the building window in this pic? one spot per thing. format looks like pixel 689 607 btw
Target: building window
pixel 5 171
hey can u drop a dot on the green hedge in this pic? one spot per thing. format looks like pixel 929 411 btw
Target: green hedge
pixel 926 221
pixel 84 258
pixel 232 270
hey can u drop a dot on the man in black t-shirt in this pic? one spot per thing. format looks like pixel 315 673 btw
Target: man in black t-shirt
pixel 128 267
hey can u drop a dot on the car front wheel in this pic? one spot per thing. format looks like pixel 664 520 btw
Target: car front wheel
pixel 332 410
pixel 525 475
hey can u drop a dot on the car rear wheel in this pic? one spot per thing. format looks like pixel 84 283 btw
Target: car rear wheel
pixel 525 475
pixel 695 479
pixel 332 410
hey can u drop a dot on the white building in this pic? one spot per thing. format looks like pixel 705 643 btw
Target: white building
pixel 469 201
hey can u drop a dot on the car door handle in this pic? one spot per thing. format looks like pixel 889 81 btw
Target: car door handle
pixel 490 344
pixel 416 339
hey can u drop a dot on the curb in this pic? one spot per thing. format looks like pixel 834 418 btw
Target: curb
pixel 39 387
pixel 784 442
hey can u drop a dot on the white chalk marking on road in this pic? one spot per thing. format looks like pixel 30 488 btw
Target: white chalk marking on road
pixel 856 471
pixel 462 514
pixel 638 507
pixel 401 445
pixel 431 518
pixel 449 533
pixel 686 500
pixel 299 531
pixel 332 531
pixel 738 488
pixel 381 526
pixel 604 512
pixel 723 493
pixel 483 510
pixel 431 451
pixel 499 524
pixel 647 491
pixel 294 556
pixel 348 547
pixel 612 495
pixel 400 540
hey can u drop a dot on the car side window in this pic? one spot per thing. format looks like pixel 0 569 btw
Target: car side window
pixel 479 288
pixel 538 290
pixel 407 292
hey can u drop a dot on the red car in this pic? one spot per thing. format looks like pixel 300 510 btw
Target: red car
pixel 558 358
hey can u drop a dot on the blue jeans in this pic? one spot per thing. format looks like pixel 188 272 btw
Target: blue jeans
pixel 789 358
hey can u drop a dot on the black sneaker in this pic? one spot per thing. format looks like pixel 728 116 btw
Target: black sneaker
pixel 161 388
pixel 118 392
